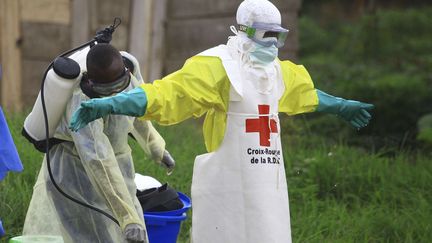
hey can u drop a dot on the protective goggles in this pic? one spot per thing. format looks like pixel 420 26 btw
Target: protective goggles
pixel 108 89
pixel 266 34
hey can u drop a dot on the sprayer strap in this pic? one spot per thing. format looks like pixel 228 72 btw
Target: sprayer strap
pixel 41 145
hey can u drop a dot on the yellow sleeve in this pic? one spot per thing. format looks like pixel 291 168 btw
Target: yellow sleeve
pixel 189 92
pixel 300 95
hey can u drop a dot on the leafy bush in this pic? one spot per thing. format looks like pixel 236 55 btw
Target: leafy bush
pixel 383 59
pixel 425 130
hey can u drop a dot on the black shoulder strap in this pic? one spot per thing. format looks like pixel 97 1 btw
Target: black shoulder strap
pixel 41 145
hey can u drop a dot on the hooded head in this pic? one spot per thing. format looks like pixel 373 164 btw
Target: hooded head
pixel 104 63
pixel 261 11
pixel 260 21
pixel 260 31
pixel 106 72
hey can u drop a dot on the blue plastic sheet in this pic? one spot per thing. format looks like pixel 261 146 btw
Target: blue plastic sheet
pixel 2 232
pixel 9 159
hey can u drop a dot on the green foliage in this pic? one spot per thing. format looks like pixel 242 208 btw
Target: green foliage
pixel 342 194
pixel 425 130
pixel 16 189
pixel 399 99
pixel 383 59
pixel 311 32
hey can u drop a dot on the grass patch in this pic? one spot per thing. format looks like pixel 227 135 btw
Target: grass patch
pixel 337 193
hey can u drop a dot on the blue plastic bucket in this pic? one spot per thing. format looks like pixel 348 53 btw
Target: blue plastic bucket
pixel 163 227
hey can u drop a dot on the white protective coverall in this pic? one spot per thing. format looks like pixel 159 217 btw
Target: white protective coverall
pixel 239 189
pixel 95 166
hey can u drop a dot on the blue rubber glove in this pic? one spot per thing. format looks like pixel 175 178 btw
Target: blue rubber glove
pixel 354 112
pixel 131 103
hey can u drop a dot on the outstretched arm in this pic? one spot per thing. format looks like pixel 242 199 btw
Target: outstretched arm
pixel 131 103
pixel 354 112
pixel 191 91
pixel 300 96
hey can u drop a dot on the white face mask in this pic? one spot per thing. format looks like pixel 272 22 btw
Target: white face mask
pixel 263 55
pixel 261 72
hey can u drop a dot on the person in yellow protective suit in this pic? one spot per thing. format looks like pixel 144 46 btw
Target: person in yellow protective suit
pixel 95 165
pixel 239 189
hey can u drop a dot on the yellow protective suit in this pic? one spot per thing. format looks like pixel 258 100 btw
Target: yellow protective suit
pixel 202 86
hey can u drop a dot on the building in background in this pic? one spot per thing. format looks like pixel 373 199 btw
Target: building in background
pixel 162 34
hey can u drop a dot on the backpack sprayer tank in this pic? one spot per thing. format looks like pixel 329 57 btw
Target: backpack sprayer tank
pixel 59 84
pixel 60 79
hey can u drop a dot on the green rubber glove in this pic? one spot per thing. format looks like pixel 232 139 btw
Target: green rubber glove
pixel 131 103
pixel 354 112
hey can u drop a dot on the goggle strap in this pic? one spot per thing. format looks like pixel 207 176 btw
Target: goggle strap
pixel 250 32
pixel 99 89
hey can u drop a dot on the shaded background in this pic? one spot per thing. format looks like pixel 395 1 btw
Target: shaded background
pixel 162 34
pixel 378 52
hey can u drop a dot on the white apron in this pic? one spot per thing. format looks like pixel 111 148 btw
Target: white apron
pixel 239 192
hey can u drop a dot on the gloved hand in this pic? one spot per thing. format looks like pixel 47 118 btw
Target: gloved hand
pixel 135 233
pixel 131 103
pixel 168 161
pixel 355 112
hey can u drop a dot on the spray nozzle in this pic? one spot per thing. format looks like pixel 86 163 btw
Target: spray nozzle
pixel 105 35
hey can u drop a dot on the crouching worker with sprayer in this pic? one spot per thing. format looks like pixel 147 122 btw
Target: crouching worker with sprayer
pixel 85 189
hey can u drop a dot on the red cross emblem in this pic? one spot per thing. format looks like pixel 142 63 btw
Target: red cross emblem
pixel 262 125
